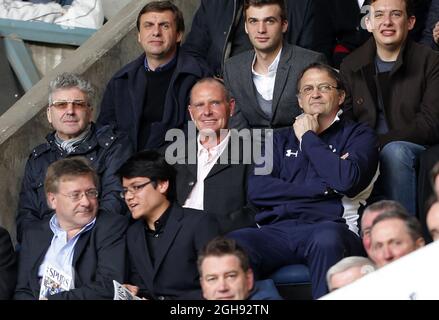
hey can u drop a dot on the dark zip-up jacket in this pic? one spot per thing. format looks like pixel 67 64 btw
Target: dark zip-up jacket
pixel 309 181
pixel 122 104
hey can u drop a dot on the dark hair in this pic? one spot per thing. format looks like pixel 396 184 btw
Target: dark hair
pixel 73 167
pixel 220 246
pixel 409 7
pixel 260 3
pixel 412 224
pixel 149 164
pixel 211 80
pixel 322 67
pixel 160 6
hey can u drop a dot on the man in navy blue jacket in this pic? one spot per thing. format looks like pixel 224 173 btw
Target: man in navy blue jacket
pixel 323 167
pixel 149 95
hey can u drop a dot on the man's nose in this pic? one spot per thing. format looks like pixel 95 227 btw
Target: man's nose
pixel 388 254
pixel 315 92
pixel 156 30
pixel 387 19
pixel 223 286
pixel 70 108
pixel 207 109
pixel 262 28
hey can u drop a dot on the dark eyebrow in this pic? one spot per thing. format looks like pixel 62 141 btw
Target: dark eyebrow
pixel 270 18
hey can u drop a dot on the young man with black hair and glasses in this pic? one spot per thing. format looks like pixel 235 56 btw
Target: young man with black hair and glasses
pixel 164 242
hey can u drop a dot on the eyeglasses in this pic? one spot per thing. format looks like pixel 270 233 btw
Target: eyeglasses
pixel 322 88
pixel 75 196
pixel 63 104
pixel 134 189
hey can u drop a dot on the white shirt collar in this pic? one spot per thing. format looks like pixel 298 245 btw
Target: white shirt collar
pixel 217 150
pixel 272 68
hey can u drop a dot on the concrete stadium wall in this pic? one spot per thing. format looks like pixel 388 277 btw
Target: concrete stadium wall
pixel 25 125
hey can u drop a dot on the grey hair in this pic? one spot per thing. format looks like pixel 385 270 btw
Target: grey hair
pixel 69 80
pixel 366 266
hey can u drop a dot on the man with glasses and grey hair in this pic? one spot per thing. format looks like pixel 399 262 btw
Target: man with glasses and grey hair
pixel 70 113
pixel 78 253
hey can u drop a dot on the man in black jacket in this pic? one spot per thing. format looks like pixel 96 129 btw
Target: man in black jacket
pixel 86 247
pixel 164 242
pixel 149 95
pixel 212 173
pixel 70 113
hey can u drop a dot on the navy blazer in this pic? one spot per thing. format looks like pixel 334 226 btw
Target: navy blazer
pixel 8 266
pixel 174 274
pixel 122 103
pixel 99 258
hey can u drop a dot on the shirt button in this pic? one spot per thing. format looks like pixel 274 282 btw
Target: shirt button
pixel 91 159
pixel 359 101
pixel 326 192
pixel 191 183
pixel 106 144
pixel 161 297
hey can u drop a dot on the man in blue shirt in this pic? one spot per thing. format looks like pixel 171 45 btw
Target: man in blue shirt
pixel 323 167
pixel 86 248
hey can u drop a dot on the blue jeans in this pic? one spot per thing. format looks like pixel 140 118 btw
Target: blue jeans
pixel 398 173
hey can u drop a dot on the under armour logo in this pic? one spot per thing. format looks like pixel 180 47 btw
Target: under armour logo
pixel 332 148
pixel 291 153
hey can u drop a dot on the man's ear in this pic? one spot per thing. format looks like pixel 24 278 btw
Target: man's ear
pixel 341 97
pixel 284 26
pixel 162 186
pixel 250 279
pixel 411 22
pixel 368 23
pixel 232 104
pixel 49 116
pixel 420 242
pixel 179 37
pixel 190 113
pixel 51 200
